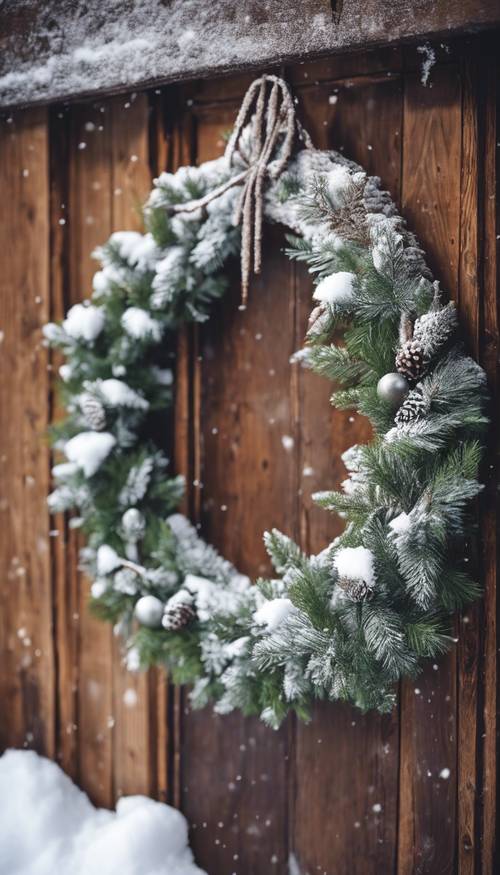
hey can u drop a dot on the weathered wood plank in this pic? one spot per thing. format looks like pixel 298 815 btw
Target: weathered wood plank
pixel 472 622
pixel 159 42
pixel 27 668
pixel 489 503
pixel 90 214
pixel 431 203
pixel 234 771
pixel 134 736
pixel 346 764
pixel 65 541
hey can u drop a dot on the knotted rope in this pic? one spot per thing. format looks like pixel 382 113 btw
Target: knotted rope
pixel 269 105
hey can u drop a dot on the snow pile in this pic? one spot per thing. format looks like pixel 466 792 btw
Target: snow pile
pixel 356 563
pixel 49 827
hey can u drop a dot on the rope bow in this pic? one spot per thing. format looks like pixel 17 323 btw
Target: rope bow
pixel 269 104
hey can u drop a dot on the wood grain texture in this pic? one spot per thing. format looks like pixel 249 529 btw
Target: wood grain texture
pixel 359 789
pixel 243 413
pixel 431 203
pixel 65 541
pixel 27 675
pixel 89 215
pixel 489 510
pixel 134 733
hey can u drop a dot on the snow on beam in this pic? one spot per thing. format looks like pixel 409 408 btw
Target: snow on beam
pixel 58 49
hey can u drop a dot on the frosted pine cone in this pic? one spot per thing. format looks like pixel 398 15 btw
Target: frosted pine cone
pixel 177 617
pixel 93 412
pixel 413 407
pixel 411 360
pixel 319 320
pixel 355 588
pixel 435 328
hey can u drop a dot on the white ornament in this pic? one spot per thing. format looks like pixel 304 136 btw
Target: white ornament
pixel 149 611
pixel 133 524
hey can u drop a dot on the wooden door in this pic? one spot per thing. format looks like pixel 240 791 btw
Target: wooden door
pixel 413 792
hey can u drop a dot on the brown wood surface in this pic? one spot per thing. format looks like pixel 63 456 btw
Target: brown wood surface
pixel 26 642
pixel 305 799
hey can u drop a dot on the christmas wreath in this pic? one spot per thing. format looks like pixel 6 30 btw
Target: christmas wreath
pixel 349 622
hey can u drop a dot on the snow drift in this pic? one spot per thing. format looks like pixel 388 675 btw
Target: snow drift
pixel 49 826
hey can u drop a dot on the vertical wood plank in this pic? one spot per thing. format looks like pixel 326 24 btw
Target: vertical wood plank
pixel 134 732
pixel 489 504
pixel 174 148
pixel 27 670
pixel 346 764
pixel 470 621
pixel 431 204
pixel 90 223
pixel 234 771
pixel 64 541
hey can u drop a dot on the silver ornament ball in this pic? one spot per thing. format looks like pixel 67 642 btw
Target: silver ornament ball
pixel 133 524
pixel 149 611
pixel 393 388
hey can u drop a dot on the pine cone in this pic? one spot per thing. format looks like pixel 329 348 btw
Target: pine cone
pixel 356 589
pixel 411 360
pixel 433 329
pixel 413 407
pixel 318 320
pixel 93 412
pixel 178 616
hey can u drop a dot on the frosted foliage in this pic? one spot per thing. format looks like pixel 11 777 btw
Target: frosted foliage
pixel 67 835
pixel 116 393
pixel 338 288
pixel 107 560
pixel 139 250
pixel 337 181
pixel 137 483
pixel 195 556
pixel 400 524
pixel 89 449
pixel 211 599
pixel 355 562
pixel 272 613
pixel 140 325
pixel 84 322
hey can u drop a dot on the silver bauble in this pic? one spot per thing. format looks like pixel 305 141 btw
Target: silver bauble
pixel 133 524
pixel 393 388
pixel 149 611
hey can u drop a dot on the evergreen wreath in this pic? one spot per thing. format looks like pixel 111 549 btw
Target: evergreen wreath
pixel 349 622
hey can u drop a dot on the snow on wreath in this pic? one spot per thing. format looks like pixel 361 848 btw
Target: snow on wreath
pixel 349 622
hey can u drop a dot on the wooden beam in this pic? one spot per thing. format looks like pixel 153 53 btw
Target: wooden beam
pixel 48 52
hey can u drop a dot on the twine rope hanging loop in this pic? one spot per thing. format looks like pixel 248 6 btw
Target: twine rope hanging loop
pixel 269 106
